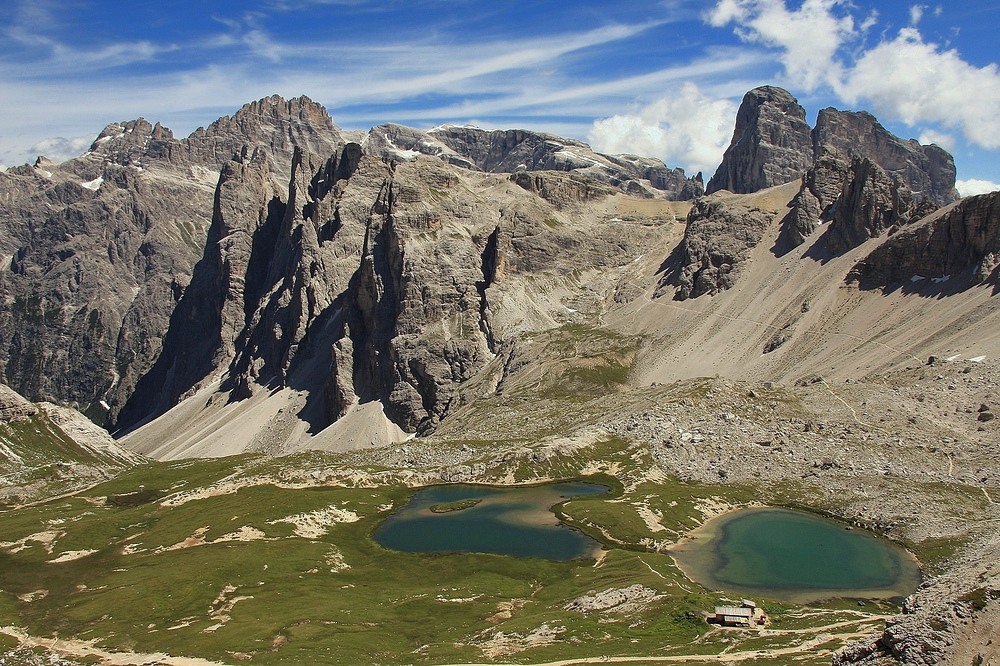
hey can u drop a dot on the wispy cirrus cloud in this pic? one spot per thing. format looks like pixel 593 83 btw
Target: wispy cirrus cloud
pixel 456 76
pixel 668 69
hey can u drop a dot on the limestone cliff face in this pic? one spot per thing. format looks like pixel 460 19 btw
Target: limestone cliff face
pixel 95 271
pixel 210 314
pixel 292 319
pixel 418 321
pixel 960 242
pixel 927 171
pixel 104 246
pixel 864 180
pixel 855 173
pixel 871 203
pixel 771 145
pixel 720 234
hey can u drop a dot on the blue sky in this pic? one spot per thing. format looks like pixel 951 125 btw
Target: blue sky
pixel 655 78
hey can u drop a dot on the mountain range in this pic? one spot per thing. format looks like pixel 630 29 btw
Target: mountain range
pixel 274 284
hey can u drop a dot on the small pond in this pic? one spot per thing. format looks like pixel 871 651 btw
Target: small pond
pixel 484 519
pixel 794 556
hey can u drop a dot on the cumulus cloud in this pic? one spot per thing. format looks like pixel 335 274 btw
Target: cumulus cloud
pixel 946 141
pixel 688 129
pixel 808 37
pixel 903 76
pixel 919 82
pixel 974 186
pixel 59 148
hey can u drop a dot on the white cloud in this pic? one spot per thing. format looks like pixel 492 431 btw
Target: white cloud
pixel 809 37
pixel 941 139
pixel 60 148
pixel 916 82
pixel 689 129
pixel 903 77
pixel 974 186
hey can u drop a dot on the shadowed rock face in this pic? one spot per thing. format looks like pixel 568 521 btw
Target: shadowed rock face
pixel 961 241
pixel 772 144
pixel 864 181
pixel 104 246
pixel 870 204
pixel 209 316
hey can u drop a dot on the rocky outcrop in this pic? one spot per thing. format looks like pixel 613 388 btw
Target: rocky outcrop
pixel 292 324
pixel 13 407
pixel 950 619
pixel 721 232
pixel 771 145
pixel 961 241
pixel 514 151
pixel 104 246
pixel 264 251
pixel 561 189
pixel 411 338
pixel 210 314
pixel 927 171
pixel 870 204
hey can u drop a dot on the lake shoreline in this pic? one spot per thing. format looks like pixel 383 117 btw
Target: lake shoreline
pixel 700 556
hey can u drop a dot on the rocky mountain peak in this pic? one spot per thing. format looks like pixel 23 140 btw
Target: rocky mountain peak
pixel 274 123
pixel 928 171
pixel 771 145
pixel 278 109
pixel 518 150
pixel 126 142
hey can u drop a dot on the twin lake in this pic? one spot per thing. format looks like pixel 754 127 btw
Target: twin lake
pixel 778 553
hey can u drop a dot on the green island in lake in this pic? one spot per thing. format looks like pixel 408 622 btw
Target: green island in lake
pixel 458 505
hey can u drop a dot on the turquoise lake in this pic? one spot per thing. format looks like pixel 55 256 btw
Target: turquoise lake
pixel 505 521
pixel 795 556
